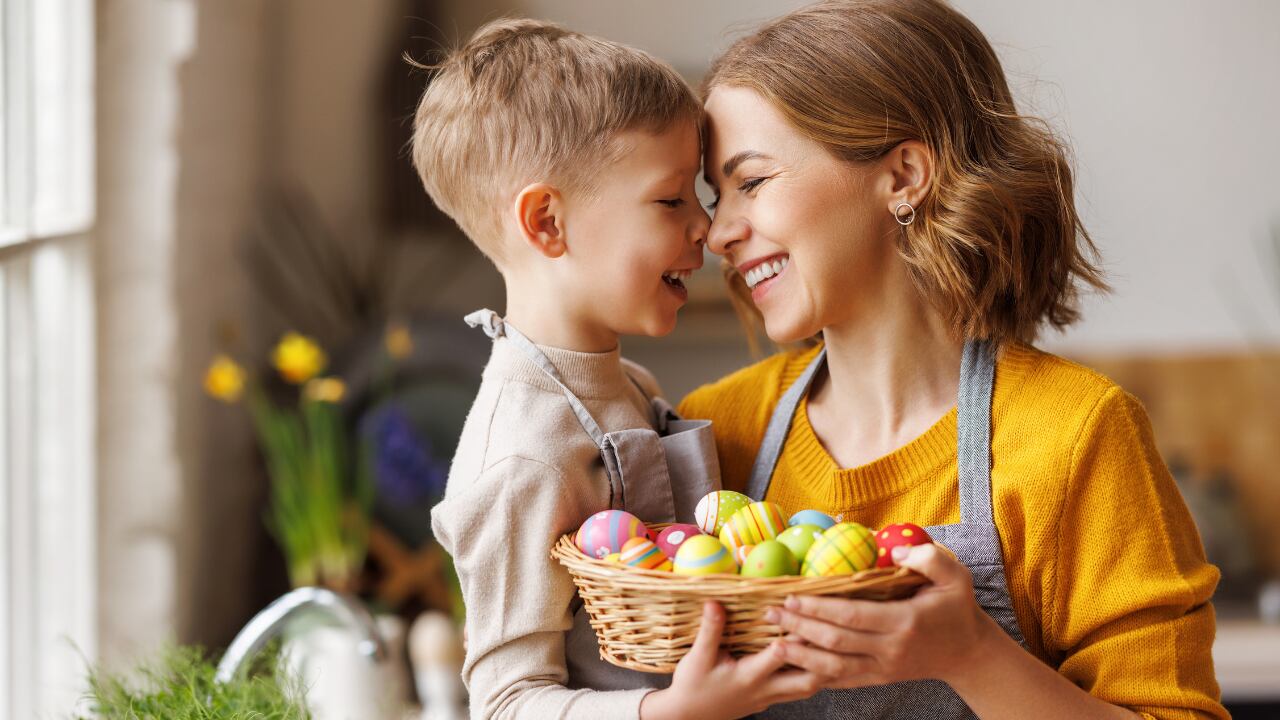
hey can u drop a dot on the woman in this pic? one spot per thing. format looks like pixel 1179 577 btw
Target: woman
pixel 878 190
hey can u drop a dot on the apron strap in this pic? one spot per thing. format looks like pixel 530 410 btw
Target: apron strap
pixel 775 435
pixel 495 327
pixel 973 431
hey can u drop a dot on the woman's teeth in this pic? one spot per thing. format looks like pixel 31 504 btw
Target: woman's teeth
pixel 765 270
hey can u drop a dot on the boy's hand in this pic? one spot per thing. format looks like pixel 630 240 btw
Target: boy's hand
pixel 709 684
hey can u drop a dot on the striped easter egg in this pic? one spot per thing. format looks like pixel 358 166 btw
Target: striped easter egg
pixel 753 525
pixel 704 555
pixel 740 554
pixel 640 552
pixel 715 509
pixel 607 531
pixel 844 549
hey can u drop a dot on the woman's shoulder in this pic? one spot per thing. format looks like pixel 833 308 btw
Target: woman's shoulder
pixel 752 390
pixel 1055 406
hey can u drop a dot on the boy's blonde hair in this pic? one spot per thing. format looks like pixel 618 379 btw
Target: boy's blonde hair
pixel 997 243
pixel 529 101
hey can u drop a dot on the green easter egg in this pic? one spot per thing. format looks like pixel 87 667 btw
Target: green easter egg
pixel 770 559
pixel 799 538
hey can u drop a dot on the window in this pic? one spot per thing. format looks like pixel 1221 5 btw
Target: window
pixel 47 501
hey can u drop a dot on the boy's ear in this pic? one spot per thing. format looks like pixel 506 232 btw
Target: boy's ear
pixel 540 219
pixel 910 172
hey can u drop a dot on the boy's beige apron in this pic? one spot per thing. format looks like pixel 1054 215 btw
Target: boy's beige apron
pixel 657 476
pixel 974 540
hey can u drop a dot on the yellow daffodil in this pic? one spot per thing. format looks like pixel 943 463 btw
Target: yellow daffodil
pixel 224 379
pixel 330 390
pixel 298 358
pixel 399 341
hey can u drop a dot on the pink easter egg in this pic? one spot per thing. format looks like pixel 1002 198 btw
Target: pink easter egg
pixel 673 536
pixel 607 531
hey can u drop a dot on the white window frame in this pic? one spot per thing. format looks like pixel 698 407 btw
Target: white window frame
pixel 48 578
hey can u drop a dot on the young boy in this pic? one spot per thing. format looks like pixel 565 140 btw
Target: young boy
pixel 570 162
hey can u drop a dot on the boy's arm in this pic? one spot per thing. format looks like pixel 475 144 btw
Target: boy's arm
pixel 500 531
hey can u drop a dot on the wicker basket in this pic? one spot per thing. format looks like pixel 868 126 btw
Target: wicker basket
pixel 646 620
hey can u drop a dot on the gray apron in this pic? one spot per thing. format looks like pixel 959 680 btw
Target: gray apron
pixel 657 475
pixel 974 540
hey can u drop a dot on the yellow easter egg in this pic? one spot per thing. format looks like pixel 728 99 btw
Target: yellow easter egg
pixel 753 525
pixel 704 555
pixel 844 549
pixel 613 558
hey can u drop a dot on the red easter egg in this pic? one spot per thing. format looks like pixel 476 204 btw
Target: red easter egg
pixel 673 536
pixel 900 534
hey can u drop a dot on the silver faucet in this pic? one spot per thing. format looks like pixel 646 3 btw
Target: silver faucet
pixel 266 625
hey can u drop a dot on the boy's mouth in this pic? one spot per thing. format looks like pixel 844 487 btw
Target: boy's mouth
pixel 676 278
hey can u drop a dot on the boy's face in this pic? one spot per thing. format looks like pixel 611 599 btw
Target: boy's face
pixel 633 241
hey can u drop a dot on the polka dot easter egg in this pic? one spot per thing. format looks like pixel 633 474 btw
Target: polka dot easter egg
pixel 770 559
pixel 752 525
pixel 640 552
pixel 812 517
pixel 607 531
pixel 673 536
pixel 900 534
pixel 704 555
pixel 844 549
pixel 715 509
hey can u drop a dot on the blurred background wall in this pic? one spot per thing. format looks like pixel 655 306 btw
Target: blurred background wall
pixel 218 117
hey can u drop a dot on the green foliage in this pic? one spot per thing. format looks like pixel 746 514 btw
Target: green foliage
pixel 318 515
pixel 180 686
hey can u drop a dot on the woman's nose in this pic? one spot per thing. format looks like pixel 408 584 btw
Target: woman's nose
pixel 726 231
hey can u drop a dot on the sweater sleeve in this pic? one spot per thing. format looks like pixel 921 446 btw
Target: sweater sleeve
pixel 1129 615
pixel 500 531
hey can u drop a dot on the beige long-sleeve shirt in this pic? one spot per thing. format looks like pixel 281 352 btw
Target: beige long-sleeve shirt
pixel 525 473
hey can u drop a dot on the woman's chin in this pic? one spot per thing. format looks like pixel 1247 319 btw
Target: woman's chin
pixel 784 330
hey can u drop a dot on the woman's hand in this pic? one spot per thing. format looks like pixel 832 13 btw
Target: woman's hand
pixel 854 643
pixel 941 633
pixel 710 684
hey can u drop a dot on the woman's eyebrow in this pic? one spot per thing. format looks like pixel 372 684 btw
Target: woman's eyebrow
pixel 732 163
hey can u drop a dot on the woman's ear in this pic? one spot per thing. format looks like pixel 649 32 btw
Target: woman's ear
pixel 910 169
pixel 539 212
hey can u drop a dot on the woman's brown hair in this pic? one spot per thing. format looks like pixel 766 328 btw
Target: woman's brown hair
pixel 997 244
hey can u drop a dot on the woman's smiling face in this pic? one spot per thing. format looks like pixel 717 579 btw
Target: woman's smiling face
pixel 809 232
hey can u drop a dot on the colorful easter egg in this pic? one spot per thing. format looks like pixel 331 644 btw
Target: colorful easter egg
pixel 607 531
pixel 799 538
pixel 770 559
pixel 704 555
pixel 715 509
pixel 812 517
pixel 900 534
pixel 740 554
pixel 752 524
pixel 640 552
pixel 845 548
pixel 673 536
pixel 613 558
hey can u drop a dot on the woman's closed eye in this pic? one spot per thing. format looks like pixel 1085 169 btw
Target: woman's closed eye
pixel 747 187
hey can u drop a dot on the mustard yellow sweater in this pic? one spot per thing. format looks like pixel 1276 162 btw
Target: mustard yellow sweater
pixel 1105 567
